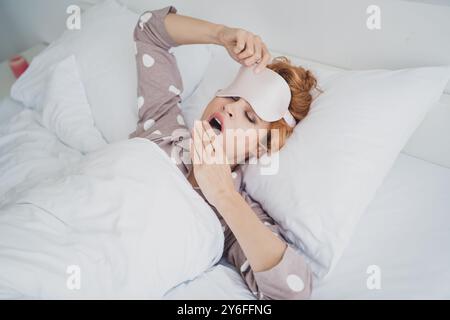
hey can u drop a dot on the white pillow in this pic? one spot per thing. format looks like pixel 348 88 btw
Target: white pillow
pixel 65 109
pixel 105 52
pixel 339 154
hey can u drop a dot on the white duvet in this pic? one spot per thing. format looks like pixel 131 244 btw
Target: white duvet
pixel 120 222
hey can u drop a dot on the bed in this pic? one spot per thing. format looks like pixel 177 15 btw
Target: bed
pixel 400 246
pixel 412 208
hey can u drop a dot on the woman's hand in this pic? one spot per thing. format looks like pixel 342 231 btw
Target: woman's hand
pixel 260 245
pixel 211 169
pixel 245 47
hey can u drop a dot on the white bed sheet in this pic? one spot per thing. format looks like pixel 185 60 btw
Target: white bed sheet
pixel 60 209
pixel 405 232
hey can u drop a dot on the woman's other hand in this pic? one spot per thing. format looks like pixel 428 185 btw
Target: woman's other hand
pixel 245 47
pixel 211 169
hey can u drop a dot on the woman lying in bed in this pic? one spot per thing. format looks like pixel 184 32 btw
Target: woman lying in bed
pixel 279 95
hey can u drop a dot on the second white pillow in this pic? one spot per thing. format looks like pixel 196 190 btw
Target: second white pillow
pixel 338 156
pixel 66 111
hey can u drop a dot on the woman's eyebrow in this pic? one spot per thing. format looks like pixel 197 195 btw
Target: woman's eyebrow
pixel 247 104
pixel 249 107
pixel 253 113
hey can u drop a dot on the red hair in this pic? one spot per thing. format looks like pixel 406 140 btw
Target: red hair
pixel 301 82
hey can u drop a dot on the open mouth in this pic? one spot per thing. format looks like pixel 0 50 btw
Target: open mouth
pixel 216 124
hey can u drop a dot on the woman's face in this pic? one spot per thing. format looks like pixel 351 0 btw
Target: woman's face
pixel 239 126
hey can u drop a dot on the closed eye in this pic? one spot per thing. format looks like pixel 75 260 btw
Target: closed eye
pixel 249 118
pixel 247 114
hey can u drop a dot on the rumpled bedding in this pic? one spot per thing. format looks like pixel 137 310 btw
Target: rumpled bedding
pixel 118 222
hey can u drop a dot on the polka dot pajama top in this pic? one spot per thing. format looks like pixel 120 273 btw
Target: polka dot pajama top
pixel 161 121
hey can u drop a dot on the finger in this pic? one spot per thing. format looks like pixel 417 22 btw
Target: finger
pixel 205 147
pixel 265 60
pixel 195 158
pixel 198 144
pixel 240 42
pixel 217 144
pixel 209 138
pixel 214 138
pixel 249 48
pixel 211 135
pixel 257 55
pixel 194 152
pixel 201 133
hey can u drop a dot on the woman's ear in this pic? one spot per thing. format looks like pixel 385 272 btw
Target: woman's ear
pixel 261 150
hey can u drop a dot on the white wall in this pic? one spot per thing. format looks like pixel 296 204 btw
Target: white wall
pixel 329 31
pixel 439 2
pixel 23 23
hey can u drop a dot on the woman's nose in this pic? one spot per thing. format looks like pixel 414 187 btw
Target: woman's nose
pixel 228 108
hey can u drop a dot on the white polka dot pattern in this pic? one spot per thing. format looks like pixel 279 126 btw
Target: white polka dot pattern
pixel 144 18
pixel 148 124
pixel 174 89
pixel 147 60
pixel 180 120
pixel 140 102
pixel 245 266
pixel 295 283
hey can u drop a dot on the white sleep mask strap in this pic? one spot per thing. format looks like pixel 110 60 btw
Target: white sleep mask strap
pixel 289 118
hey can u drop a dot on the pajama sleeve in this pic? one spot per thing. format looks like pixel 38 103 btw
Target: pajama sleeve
pixel 290 278
pixel 159 88
pixel 150 28
pixel 159 81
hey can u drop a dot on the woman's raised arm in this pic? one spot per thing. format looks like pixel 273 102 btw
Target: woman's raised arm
pixel 188 30
pixel 243 46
